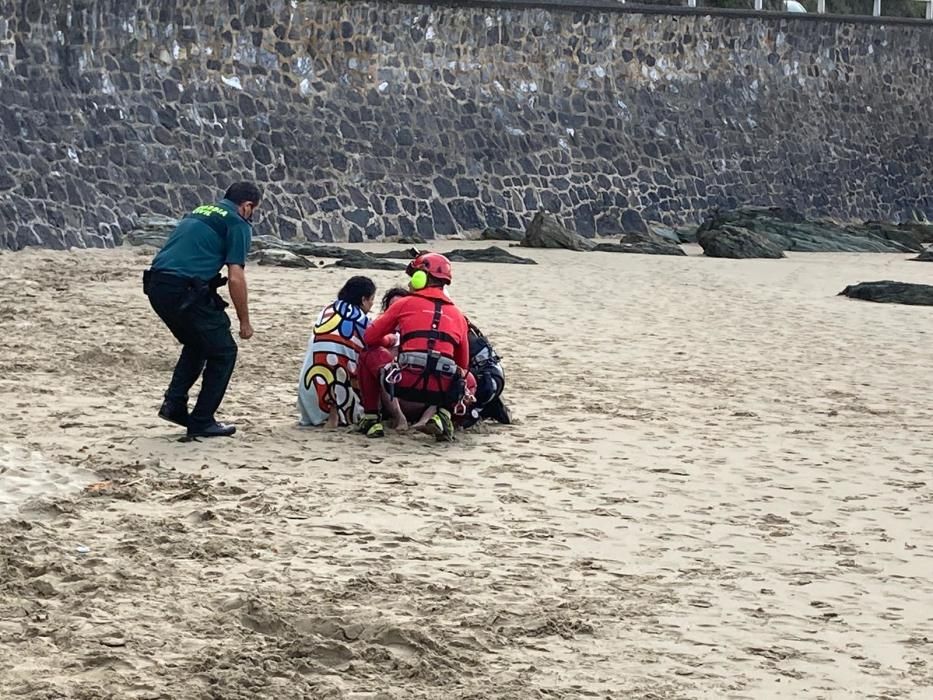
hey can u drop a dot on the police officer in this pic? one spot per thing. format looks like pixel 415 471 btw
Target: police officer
pixel 182 285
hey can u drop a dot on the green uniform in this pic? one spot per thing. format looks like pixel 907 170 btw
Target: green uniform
pixel 211 236
pixel 180 290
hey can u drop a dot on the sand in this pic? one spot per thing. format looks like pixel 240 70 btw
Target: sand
pixel 718 486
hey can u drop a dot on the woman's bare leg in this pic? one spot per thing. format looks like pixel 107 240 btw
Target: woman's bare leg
pixel 425 417
pixel 333 419
pixel 392 407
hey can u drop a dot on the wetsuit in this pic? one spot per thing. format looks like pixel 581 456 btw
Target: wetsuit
pixel 486 367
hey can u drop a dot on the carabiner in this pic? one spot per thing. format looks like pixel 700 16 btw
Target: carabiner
pixel 393 373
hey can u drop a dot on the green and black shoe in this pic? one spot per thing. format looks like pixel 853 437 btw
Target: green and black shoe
pixel 441 426
pixel 371 426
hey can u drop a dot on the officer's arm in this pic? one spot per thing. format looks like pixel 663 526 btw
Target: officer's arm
pixel 237 250
pixel 239 295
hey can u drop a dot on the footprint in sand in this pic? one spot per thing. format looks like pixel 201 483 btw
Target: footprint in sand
pixel 26 475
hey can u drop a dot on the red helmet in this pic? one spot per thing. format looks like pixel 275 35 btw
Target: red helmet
pixel 434 264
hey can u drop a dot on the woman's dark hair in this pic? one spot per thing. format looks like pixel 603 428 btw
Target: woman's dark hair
pixel 392 295
pixel 356 289
pixel 240 192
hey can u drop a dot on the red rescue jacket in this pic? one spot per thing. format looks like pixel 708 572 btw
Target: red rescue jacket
pixel 426 320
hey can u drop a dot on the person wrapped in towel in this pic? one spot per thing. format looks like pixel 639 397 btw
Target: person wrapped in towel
pixel 328 388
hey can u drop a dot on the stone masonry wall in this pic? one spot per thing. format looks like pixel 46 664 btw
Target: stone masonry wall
pixel 369 119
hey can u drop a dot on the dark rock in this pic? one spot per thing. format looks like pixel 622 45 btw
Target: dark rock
pixel 406 227
pixel 608 225
pixel 288 230
pixel 652 241
pixel 151 230
pixel 443 221
pixel 464 213
pixel 889 292
pixel 686 234
pixel 360 217
pixel 545 232
pixel 445 188
pixel 358 198
pixel 358 260
pixel 492 254
pixel 407 254
pixel 583 220
pixel 632 222
pixel 320 251
pixel 424 228
pixel 467 188
pixel 922 230
pixel 494 217
pixel 925 256
pixel 550 201
pixel 912 240
pixel 643 243
pixel 263 242
pixel 501 234
pixel 734 242
pixel 665 232
pixel 280 258
pixel 792 231
pixel 412 239
pixel 374 230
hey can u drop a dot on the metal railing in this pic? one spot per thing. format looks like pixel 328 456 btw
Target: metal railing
pixel 794 6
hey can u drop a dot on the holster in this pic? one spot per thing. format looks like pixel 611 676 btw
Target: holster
pixel 201 292
pixel 215 283
pixel 192 291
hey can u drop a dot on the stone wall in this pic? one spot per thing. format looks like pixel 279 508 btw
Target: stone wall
pixel 368 119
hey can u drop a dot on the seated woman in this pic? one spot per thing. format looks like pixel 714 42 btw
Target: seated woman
pixel 328 392
pixel 393 295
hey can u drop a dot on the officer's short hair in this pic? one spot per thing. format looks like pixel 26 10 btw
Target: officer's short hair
pixel 240 192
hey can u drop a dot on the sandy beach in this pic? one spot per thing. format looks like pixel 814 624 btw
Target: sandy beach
pixel 718 486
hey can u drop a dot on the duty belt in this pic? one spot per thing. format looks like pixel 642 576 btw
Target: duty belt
pixel 429 361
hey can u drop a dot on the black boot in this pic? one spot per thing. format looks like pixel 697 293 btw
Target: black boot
pixel 214 430
pixel 498 411
pixel 174 412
